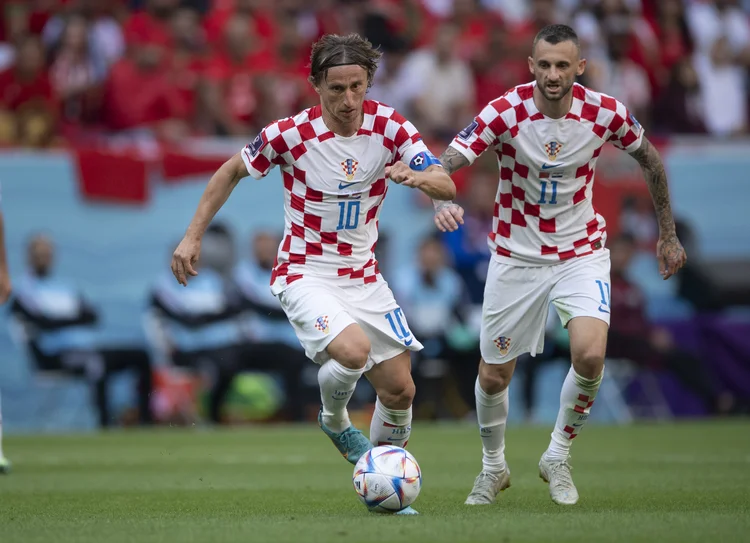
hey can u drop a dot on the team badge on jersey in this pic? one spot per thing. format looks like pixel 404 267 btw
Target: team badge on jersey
pixel 257 145
pixel 553 148
pixel 350 168
pixel 321 324
pixel 503 345
pixel 466 133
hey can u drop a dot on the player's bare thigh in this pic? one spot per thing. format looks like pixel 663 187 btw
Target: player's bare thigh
pixel 350 348
pixel 393 382
pixel 494 378
pixel 588 345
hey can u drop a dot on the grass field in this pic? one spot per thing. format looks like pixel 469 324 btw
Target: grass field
pixel 675 483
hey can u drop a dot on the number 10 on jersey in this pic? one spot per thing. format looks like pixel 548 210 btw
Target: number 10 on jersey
pixel 348 215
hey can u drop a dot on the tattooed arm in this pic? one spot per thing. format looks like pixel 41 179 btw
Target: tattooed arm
pixel 448 214
pixel 669 251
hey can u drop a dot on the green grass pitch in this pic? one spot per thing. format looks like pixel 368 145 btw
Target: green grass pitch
pixel 648 483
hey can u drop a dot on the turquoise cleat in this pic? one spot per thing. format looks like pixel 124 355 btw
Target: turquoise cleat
pixel 4 465
pixel 407 511
pixel 350 443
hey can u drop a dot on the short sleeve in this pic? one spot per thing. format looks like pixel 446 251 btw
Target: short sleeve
pixel 407 141
pixel 626 132
pixel 259 156
pixel 485 131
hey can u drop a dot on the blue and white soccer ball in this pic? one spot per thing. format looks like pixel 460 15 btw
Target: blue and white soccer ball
pixel 387 479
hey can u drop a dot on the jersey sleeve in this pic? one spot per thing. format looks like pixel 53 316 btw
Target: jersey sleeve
pixel 408 145
pixel 485 131
pixel 626 132
pixel 260 155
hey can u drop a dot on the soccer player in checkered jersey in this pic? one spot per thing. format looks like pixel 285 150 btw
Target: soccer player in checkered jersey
pixel 547 243
pixel 336 159
pixel 4 294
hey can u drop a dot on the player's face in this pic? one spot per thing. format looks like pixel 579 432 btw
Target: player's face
pixel 555 68
pixel 41 255
pixel 343 91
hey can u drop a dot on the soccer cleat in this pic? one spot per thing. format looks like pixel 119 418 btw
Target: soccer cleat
pixel 557 474
pixel 4 465
pixel 351 443
pixel 407 511
pixel 486 487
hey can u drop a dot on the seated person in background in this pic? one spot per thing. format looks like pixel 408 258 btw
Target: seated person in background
pixel 200 326
pixel 58 325
pixel 271 343
pixel 436 295
pixel 632 337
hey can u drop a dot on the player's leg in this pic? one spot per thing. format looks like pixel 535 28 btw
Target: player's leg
pixel 393 383
pixel 582 299
pixel 514 313
pixel 4 463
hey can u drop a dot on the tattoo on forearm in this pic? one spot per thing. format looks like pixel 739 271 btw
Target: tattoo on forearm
pixel 452 160
pixel 656 179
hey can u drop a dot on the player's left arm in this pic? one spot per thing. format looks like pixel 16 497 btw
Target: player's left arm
pixel 432 180
pixel 5 287
pixel 669 250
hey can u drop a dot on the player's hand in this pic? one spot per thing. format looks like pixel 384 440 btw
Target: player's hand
pixel 402 174
pixel 5 287
pixel 670 254
pixel 448 216
pixel 184 258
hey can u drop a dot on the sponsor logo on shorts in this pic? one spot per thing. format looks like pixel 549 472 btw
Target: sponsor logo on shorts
pixel 503 345
pixel 321 324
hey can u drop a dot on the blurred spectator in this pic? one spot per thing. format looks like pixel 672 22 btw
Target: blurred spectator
pixel 437 108
pixel 673 36
pixel 58 326
pixel 152 24
pixel 433 297
pixel 722 45
pixel 637 219
pixel 28 108
pixel 390 76
pixel 271 343
pixel 233 87
pixel 467 246
pixel 188 61
pixel 679 107
pixel 77 72
pixel 632 337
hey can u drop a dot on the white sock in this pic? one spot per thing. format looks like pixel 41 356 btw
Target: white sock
pixel 337 383
pixel 390 426
pixel 492 415
pixel 576 398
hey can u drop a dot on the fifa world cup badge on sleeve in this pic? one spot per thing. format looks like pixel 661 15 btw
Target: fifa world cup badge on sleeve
pixel 635 121
pixel 466 133
pixel 257 145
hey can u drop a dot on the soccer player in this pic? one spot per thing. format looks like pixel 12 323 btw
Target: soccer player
pixel 4 294
pixel 547 243
pixel 335 160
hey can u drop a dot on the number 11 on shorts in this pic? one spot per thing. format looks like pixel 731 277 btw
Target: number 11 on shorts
pixel 606 298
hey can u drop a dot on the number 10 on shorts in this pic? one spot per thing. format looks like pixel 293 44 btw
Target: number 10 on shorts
pixel 396 319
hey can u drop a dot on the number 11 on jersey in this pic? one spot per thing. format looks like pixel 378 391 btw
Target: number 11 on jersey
pixel 553 191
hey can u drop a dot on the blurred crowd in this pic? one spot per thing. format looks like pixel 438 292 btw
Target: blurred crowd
pixel 170 69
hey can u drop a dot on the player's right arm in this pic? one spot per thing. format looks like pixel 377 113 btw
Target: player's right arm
pixel 255 159
pixel 483 132
pixel 217 192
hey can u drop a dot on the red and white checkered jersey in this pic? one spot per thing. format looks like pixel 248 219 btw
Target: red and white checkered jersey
pixel 543 209
pixel 334 188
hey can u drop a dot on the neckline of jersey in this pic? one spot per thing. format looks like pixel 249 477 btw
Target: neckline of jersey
pixel 546 118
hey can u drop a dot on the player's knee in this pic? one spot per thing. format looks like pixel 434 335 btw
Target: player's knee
pixel 400 396
pixel 354 353
pixel 494 378
pixel 588 364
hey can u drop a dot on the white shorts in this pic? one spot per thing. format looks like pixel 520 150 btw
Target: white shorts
pixel 517 299
pixel 319 311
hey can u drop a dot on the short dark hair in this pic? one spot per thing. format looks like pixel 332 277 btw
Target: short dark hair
pixel 333 50
pixel 555 34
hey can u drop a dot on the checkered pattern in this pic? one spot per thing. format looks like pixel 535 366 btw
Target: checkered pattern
pixel 583 406
pixel 331 211
pixel 543 210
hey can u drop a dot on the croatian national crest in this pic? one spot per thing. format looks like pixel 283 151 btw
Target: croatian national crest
pixel 350 168
pixel 553 148
pixel 321 324
pixel 503 345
